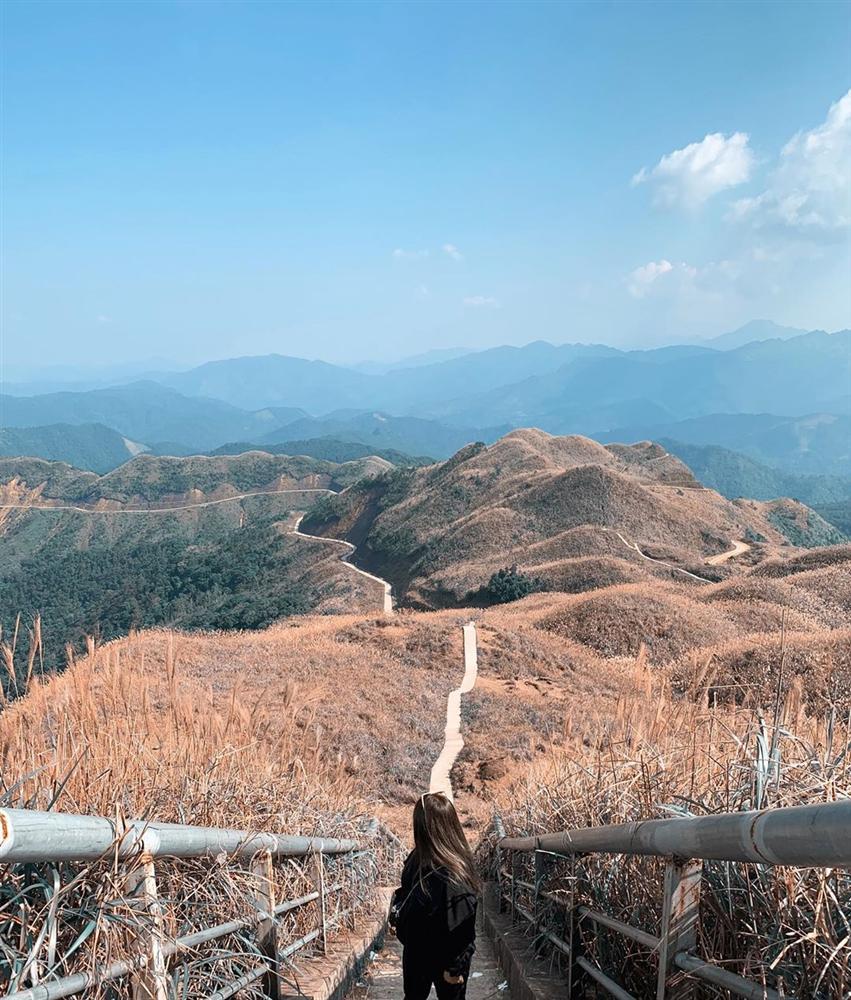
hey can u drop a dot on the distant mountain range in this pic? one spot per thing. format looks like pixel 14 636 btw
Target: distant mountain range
pixel 756 330
pixel 815 444
pixel 782 399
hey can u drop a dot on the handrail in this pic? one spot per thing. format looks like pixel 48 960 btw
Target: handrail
pixel 28 836
pixel 796 836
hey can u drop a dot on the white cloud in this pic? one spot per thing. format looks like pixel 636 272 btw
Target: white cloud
pixel 688 177
pixel 452 251
pixel 481 302
pixel 809 192
pixel 645 279
pixel 401 254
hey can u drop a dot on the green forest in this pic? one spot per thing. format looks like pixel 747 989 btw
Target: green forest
pixel 235 581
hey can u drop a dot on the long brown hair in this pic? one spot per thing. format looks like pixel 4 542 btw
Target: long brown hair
pixel 439 840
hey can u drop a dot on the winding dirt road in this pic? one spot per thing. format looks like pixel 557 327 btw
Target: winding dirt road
pixel 738 548
pixel 453 741
pixel 659 562
pixel 349 549
pixel 160 510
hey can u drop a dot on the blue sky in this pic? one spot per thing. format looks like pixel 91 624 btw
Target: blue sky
pixel 199 180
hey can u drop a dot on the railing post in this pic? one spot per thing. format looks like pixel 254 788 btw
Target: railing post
pixel 574 974
pixel 151 981
pixel 513 886
pixel 267 932
pixel 542 865
pixel 319 886
pixel 499 831
pixel 679 927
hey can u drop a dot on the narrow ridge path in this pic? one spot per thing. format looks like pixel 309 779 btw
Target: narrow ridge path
pixel 659 562
pixel 453 741
pixel 161 510
pixel 387 605
pixel 738 548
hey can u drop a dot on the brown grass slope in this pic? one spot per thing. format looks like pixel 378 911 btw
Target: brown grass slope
pixel 540 501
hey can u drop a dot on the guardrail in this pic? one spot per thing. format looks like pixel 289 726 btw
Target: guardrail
pixel 57 840
pixel 799 836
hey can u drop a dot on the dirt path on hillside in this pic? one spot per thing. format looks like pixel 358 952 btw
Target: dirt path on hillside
pixel 738 548
pixel 659 562
pixel 345 558
pixel 453 741
pixel 161 510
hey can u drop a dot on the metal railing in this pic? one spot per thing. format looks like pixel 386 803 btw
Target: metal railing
pixel 56 839
pixel 799 836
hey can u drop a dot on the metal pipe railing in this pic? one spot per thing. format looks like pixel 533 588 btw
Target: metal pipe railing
pixel 28 836
pixel 798 836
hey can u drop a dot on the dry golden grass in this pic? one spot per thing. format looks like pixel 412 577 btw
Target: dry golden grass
pixel 648 753
pixel 530 499
pixel 132 731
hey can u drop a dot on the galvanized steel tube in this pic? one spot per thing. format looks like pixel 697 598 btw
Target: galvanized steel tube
pixel 802 836
pixel 30 836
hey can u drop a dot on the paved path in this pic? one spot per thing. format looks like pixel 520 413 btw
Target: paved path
pixel 383 980
pixel 453 741
pixel 737 549
pixel 659 562
pixel 387 605
pixel 159 510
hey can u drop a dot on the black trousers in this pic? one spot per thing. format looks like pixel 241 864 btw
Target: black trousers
pixel 419 972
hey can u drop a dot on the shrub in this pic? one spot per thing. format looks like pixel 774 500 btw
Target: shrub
pixel 507 584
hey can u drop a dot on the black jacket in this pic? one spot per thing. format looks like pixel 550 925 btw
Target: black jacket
pixel 435 917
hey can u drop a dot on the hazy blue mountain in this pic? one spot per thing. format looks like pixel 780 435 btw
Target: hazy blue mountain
pixel 318 387
pixel 409 390
pixel 410 435
pixel 432 357
pixel 796 377
pixel 736 475
pixel 818 444
pixel 756 330
pixel 276 380
pixel 93 447
pixel 145 412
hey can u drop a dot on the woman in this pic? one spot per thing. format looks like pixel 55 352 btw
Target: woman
pixel 434 909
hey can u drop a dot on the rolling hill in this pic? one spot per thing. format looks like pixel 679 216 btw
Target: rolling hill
pixel 567 510
pixel 736 475
pixel 85 446
pixel 195 543
pixel 146 412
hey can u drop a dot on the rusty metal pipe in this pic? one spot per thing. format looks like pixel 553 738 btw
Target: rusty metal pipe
pixel 802 836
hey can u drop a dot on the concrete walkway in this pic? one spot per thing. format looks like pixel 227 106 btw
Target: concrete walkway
pixel 383 980
pixel 387 603
pixel 453 741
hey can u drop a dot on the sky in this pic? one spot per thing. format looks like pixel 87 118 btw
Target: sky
pixel 197 180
